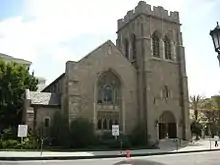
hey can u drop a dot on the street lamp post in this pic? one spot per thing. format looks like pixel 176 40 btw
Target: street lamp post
pixel 215 34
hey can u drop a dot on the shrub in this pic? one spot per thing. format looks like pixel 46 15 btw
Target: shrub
pixel 82 133
pixel 196 128
pixel 27 143
pixel 152 143
pixel 59 132
pixel 138 136
pixel 8 144
pixel 112 143
pixel 9 133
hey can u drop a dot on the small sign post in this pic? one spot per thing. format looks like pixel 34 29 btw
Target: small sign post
pixel 115 131
pixel 41 146
pixel 22 131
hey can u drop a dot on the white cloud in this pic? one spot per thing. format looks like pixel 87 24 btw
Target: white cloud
pixel 53 22
pixel 49 27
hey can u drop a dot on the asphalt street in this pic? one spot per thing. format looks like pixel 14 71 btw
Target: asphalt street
pixel 205 158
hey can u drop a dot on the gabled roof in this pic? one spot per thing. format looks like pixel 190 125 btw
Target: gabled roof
pixel 107 42
pixel 53 82
pixel 114 48
pixel 43 98
pixel 17 60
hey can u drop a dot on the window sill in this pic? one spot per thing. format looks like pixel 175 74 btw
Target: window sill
pixel 133 61
pixel 171 61
pixel 163 60
pixel 155 57
pixel 100 131
pixel 101 107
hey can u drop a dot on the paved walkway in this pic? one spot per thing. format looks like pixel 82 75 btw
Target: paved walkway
pixel 200 145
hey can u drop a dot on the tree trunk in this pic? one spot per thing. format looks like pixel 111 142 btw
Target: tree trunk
pixel 218 121
pixel 196 118
pixel 196 114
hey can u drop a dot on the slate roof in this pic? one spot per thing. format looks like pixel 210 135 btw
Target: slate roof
pixel 55 81
pixel 43 98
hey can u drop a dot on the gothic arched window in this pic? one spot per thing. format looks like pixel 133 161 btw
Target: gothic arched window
pixel 165 92
pixel 116 121
pixel 134 50
pixel 116 96
pixel 100 101
pixel 167 48
pixel 99 124
pixel 126 47
pixel 156 44
pixel 110 124
pixel 105 124
pixel 108 94
pixel 108 89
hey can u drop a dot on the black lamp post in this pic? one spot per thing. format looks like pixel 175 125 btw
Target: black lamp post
pixel 215 34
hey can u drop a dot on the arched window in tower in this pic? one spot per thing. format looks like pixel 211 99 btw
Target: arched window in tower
pixel 165 92
pixel 126 47
pixel 134 50
pixel 156 44
pixel 167 48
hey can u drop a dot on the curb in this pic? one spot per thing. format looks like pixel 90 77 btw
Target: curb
pixel 97 156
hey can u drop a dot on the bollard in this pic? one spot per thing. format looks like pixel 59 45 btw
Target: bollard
pixel 121 147
pixel 41 146
pixel 177 145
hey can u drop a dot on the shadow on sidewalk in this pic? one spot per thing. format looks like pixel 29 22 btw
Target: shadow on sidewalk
pixel 138 162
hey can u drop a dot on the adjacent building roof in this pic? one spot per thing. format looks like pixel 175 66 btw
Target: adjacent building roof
pixel 55 81
pixel 43 98
pixel 17 60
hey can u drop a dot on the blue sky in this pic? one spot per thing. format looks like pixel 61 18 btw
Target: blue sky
pixel 50 32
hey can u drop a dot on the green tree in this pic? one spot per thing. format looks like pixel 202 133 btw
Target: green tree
pixel 14 79
pixel 196 102
pixel 211 111
pixel 216 105
pixel 196 128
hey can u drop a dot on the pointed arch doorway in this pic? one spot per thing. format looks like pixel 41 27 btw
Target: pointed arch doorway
pixel 167 125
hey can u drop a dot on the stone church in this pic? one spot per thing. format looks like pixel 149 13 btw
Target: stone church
pixel 140 80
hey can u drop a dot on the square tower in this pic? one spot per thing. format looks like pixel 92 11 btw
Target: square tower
pixel 151 39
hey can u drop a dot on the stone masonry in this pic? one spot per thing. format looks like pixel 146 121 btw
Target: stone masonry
pixel 141 80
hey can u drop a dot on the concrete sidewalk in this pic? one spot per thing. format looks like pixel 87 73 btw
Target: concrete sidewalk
pixel 200 146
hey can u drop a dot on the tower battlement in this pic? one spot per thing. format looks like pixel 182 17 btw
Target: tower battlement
pixel 144 8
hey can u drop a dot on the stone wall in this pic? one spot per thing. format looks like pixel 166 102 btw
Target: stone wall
pixel 82 78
